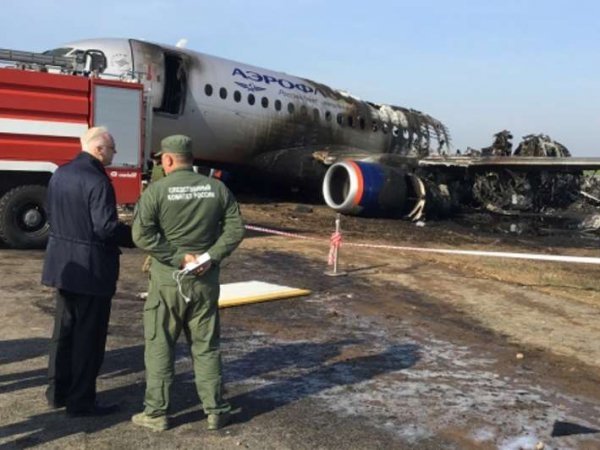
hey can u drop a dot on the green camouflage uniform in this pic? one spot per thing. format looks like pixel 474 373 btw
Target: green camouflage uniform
pixel 184 212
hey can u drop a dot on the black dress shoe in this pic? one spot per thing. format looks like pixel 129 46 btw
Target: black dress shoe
pixel 56 404
pixel 96 410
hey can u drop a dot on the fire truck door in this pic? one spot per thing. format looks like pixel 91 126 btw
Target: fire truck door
pixel 120 110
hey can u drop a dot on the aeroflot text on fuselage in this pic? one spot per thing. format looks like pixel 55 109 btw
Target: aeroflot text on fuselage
pixel 268 79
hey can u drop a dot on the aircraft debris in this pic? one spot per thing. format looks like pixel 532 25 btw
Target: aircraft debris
pixel 507 186
pixel 590 223
pixel 532 145
pixel 590 197
pixel 590 187
pixel 501 146
pixel 541 145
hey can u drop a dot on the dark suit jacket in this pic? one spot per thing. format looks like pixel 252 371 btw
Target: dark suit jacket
pixel 82 255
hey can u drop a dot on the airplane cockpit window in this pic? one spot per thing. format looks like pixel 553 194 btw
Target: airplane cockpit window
pixel 208 90
pixel 277 105
pixel 62 51
pixel 223 93
pixel 237 96
pixel 175 86
pixel 251 99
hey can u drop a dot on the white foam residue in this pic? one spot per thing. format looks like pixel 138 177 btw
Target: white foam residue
pixel 484 434
pixel 415 388
pixel 521 443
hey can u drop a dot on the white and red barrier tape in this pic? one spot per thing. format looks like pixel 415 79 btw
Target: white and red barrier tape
pixel 336 242
pixel 281 233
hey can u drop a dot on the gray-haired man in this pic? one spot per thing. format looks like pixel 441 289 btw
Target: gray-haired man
pixel 82 263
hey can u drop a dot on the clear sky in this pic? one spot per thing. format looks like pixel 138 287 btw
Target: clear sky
pixel 529 66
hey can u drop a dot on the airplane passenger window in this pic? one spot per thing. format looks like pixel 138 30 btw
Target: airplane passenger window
pixel 251 99
pixel 278 105
pixel 223 93
pixel 328 116
pixel 264 102
pixel 208 90
pixel 291 108
pixel 361 122
pixel 385 128
pixel 237 96
pixel 340 119
pixel 374 126
pixel 350 121
pixel 395 131
pixel 303 110
pixel 316 115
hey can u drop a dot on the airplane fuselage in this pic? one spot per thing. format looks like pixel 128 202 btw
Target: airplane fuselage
pixel 236 112
pixel 366 158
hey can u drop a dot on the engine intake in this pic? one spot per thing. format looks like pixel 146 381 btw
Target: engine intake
pixel 362 188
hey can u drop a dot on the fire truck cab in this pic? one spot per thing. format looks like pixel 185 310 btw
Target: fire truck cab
pixel 46 104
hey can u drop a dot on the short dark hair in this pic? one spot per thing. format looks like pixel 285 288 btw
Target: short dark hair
pixel 181 158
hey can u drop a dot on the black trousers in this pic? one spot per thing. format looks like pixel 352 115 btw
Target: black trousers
pixel 77 349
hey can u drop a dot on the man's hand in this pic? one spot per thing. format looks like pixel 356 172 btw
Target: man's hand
pixel 191 258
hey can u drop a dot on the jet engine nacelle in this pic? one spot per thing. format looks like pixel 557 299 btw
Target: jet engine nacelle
pixel 362 188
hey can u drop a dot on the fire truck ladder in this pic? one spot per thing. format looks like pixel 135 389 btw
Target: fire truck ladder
pixel 68 63
pixel 83 62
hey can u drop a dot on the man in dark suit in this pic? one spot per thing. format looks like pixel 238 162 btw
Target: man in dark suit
pixel 82 263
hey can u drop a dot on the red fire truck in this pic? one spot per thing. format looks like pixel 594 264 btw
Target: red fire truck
pixel 46 104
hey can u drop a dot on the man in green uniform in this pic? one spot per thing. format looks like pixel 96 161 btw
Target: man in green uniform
pixel 156 174
pixel 178 218
pixel 157 170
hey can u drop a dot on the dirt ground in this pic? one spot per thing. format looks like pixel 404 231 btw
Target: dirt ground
pixel 409 350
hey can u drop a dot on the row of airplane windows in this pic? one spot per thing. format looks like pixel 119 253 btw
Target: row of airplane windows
pixel 341 119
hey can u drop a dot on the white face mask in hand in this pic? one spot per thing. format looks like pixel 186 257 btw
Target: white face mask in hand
pixel 197 267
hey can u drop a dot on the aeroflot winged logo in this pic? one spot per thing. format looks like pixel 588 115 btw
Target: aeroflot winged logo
pixel 256 77
pixel 250 86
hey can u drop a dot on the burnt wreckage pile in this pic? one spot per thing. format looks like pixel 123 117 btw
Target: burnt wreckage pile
pixel 417 178
pixel 526 190
pixel 501 180
pixel 533 145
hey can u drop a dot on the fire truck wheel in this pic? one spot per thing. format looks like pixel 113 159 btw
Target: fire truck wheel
pixel 23 220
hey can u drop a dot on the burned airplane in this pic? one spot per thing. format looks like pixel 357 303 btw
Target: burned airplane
pixel 365 158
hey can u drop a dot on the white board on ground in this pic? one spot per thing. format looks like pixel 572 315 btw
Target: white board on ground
pixel 244 292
